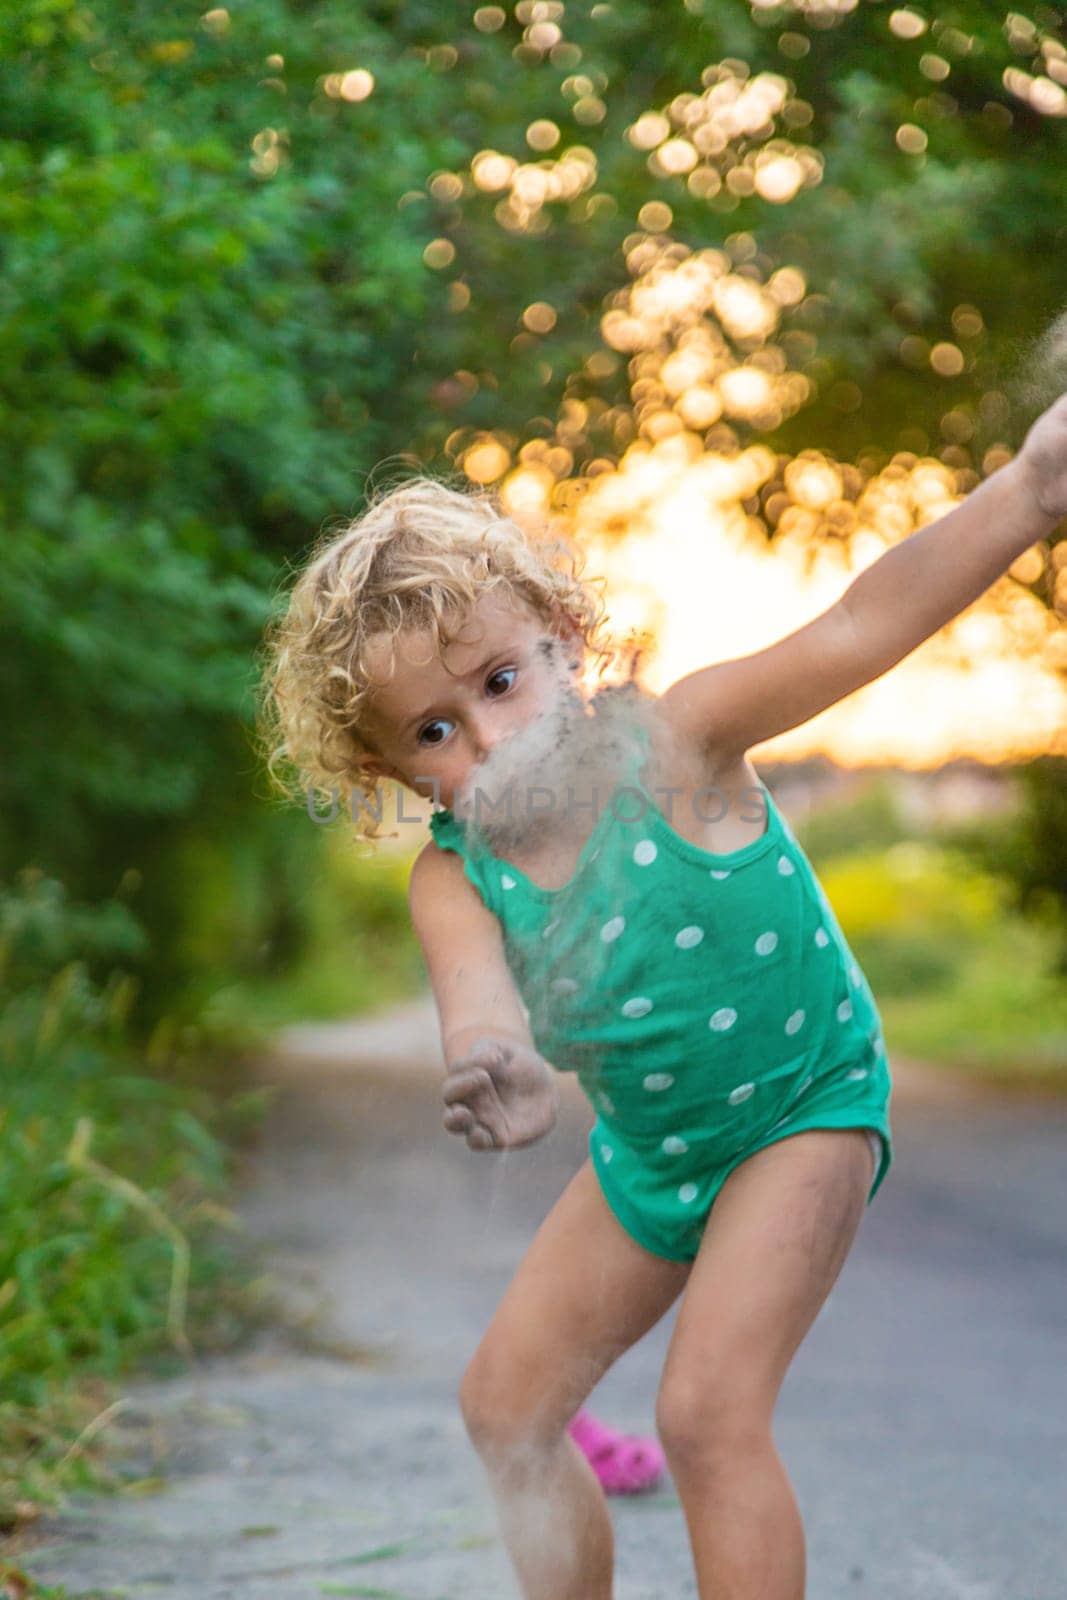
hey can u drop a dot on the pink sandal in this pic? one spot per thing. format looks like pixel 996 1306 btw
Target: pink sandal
pixel 623 1463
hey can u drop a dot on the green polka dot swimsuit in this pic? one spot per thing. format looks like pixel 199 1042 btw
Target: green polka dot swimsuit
pixel 709 1004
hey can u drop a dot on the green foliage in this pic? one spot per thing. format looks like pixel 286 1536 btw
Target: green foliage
pixel 1029 848
pixel 186 390
pixel 867 820
pixel 348 947
pixel 1002 1012
pixel 110 1187
pixel 965 970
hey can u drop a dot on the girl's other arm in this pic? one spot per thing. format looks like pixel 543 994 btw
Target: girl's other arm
pixel 464 954
pixel 499 1092
pixel 886 612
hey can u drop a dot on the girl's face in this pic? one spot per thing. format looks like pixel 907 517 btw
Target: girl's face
pixel 438 719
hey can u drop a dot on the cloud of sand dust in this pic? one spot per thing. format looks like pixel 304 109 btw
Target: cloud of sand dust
pixel 555 776
pixel 1041 376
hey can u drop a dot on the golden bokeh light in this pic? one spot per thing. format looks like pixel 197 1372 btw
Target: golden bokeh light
pixel 539 317
pixel 778 178
pixel 934 67
pixel 649 130
pixel 967 321
pixel 677 523
pixel 439 253
pixel 542 135
pixel 907 24
pixel 486 460
pixel 1041 94
pixel 812 481
pixel 491 170
pixel 356 85
pixel 911 139
pixel 947 360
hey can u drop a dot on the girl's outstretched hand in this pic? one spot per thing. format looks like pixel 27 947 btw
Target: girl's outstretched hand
pixel 500 1095
pixel 1043 460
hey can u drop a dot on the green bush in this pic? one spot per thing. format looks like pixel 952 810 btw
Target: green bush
pixel 112 1219
pixel 961 976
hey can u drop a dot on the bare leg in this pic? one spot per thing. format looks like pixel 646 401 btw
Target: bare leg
pixel 583 1293
pixel 776 1240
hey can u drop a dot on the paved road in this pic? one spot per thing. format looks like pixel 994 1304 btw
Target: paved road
pixel 924 1420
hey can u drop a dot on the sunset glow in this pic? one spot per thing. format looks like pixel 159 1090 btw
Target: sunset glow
pixel 678 525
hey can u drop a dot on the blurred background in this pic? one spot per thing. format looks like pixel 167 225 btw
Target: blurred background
pixel 738 295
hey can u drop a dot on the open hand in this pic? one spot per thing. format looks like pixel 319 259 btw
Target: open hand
pixel 1042 462
pixel 501 1095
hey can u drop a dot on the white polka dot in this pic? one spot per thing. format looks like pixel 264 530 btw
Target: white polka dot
pixel 673 1146
pixel 744 1091
pixel 645 852
pixel 822 938
pixel 606 1152
pixel 844 1011
pixel 506 881
pixel 856 1074
pixel 786 867
pixel 606 1103
pixel 686 938
pixel 658 1080
pixel 687 1193
pixel 551 928
pixel 715 874
pixel 766 943
pixel 639 1006
pixel 795 1022
pixel 854 976
pixel 722 1019
pixel 563 986
pixel 612 928
pixel 879 1047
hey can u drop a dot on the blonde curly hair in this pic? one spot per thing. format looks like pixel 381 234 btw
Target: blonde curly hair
pixel 418 556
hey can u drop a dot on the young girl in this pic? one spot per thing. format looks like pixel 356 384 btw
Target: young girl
pixel 683 960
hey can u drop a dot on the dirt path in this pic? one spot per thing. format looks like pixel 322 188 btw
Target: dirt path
pixel 916 1419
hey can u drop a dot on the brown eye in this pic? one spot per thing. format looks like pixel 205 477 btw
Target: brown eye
pixel 502 672
pixel 437 722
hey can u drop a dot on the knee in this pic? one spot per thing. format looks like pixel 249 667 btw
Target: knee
pixel 703 1422
pixel 501 1419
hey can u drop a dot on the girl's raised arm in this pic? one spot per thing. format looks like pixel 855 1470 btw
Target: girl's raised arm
pixel 886 612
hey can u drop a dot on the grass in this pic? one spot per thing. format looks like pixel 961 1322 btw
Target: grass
pixel 117 1248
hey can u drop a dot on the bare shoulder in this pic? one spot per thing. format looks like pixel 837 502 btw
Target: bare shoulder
pixel 699 759
pixel 445 905
pixel 436 873
pixel 718 792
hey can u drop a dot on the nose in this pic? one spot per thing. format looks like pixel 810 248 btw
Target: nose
pixel 486 730
pixel 483 738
